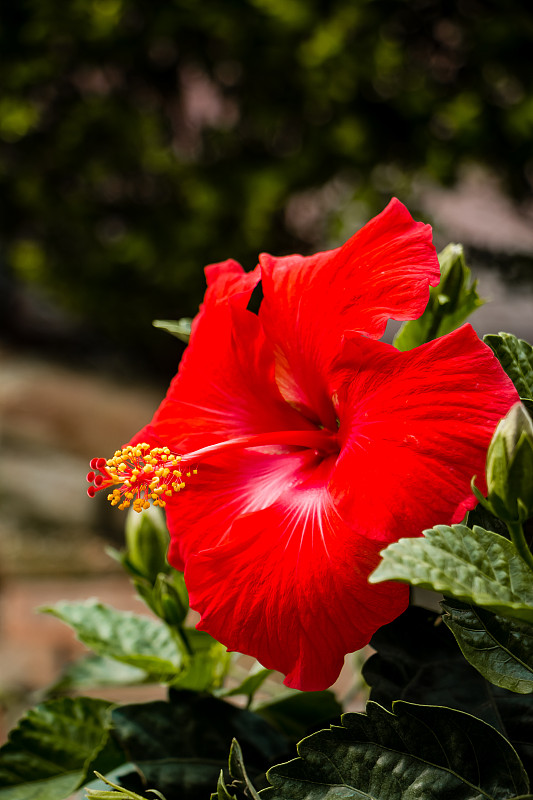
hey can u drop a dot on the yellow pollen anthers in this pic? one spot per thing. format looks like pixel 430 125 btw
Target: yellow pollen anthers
pixel 142 475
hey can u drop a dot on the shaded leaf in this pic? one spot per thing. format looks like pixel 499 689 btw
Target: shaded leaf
pixel 237 770
pixel 482 517
pixel 528 403
pixel 112 791
pixel 181 746
pixel 415 751
pixel 50 752
pixel 241 785
pixel 450 303
pixel 111 775
pixel 297 713
pixel 249 685
pixel 516 357
pixel 133 639
pixel 97 671
pixel 418 660
pixel 478 567
pixel 224 792
pixel 207 668
pixel 180 328
pixel 499 647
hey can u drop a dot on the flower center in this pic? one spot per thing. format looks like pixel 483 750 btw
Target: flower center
pixel 138 474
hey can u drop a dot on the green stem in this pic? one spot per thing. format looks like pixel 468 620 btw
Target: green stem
pixel 119 793
pixel 519 541
pixel 181 637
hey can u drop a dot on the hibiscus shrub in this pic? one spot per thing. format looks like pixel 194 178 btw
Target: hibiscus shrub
pixel 309 474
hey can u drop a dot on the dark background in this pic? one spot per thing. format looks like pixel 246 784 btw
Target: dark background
pixel 143 139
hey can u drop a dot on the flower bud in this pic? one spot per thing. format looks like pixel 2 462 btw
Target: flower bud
pixel 510 467
pixel 171 598
pixel 147 542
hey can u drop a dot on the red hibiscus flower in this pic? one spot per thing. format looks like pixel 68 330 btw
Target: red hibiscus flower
pixel 314 445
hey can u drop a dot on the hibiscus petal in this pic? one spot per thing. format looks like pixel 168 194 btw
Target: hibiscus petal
pixel 382 272
pixel 415 428
pixel 224 387
pixel 289 586
pixel 229 486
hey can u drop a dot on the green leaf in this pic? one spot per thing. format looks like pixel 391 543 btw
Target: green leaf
pixel 95 783
pixel 133 639
pixel 223 792
pixel 238 772
pixel 450 303
pixel 241 784
pixel 516 357
pixel 207 667
pixel 145 648
pixel 49 753
pixel 95 671
pixel 414 752
pixel 180 328
pixel 296 713
pixel 166 597
pixel 249 686
pixel 418 660
pixel 181 746
pixel 113 791
pixel 478 567
pixel 499 647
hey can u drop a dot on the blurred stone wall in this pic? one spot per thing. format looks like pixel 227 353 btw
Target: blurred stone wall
pixel 52 536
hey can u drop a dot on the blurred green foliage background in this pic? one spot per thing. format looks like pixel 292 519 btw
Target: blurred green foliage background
pixel 143 139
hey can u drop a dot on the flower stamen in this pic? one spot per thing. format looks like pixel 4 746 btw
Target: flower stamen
pixel 137 475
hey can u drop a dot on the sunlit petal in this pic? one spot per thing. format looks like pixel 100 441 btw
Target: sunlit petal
pixel 383 272
pixel 289 586
pixel 415 428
